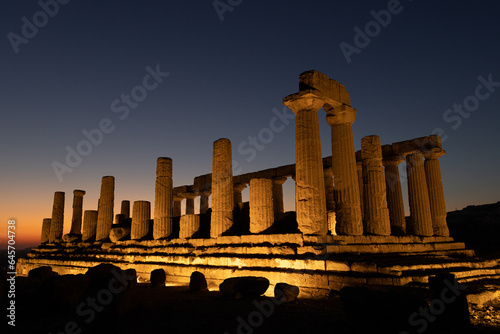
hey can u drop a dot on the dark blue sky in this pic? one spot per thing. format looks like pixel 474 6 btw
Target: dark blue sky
pixel 225 79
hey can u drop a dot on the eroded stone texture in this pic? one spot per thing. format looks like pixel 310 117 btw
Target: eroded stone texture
pixel 278 206
pixel 359 170
pixel 76 221
pixel 125 209
pixel 436 194
pixel 394 194
pixel 376 216
pixel 89 225
pixel 190 203
pixel 119 233
pixel 162 226
pixel 418 197
pixel 45 230
pixel 105 211
pixel 345 178
pixel 261 205
pixel 57 222
pixel 189 225
pixel 141 214
pixel 329 189
pixel 310 183
pixel 222 188
pixel 237 189
pixel 177 206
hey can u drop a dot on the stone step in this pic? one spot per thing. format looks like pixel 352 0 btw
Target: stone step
pixel 394 248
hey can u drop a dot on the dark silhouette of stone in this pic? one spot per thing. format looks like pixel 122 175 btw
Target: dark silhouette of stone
pixel 131 277
pixel 286 292
pixel 197 282
pixel 42 273
pixel 158 277
pixel 448 303
pixel 244 287
pixel 386 312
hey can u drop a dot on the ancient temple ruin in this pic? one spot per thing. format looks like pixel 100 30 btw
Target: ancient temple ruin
pixel 349 227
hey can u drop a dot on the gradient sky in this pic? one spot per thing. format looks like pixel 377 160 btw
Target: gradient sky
pixel 225 79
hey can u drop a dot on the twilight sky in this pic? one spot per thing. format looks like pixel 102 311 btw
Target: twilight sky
pixel 167 78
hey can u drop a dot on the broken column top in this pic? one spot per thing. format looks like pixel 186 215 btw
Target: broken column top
pixel 331 91
pixel 78 192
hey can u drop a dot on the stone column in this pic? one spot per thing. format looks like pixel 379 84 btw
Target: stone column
pixel 189 225
pixel 204 195
pixel 329 189
pixel 359 170
pixel 177 206
pixel 89 225
pixel 45 231
pixel 190 203
pixel 162 226
pixel 222 188
pixel 278 205
pixel 76 221
pixel 125 209
pixel 141 214
pixel 418 196
pixel 310 183
pixel 105 211
pixel 345 178
pixel 261 205
pixel 376 217
pixel 436 194
pixel 394 194
pixel 57 222
pixel 119 219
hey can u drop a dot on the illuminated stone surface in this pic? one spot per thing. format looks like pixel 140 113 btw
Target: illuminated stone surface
pixel 89 224
pixel 376 216
pixel 261 205
pixel 57 222
pixel 278 206
pixel 189 225
pixel 125 209
pixel 45 230
pixel 141 214
pixel 309 178
pixel 76 221
pixel 418 196
pixel 163 214
pixel 222 188
pixel 394 194
pixel 105 210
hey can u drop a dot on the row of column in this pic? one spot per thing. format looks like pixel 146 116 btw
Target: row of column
pixel 363 200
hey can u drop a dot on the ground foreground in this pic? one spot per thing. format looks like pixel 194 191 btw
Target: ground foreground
pixel 147 309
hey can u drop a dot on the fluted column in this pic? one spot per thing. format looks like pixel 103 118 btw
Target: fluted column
pixel 376 217
pixel 76 221
pixel 222 188
pixel 189 225
pixel 176 211
pixel 125 209
pixel 278 205
pixel 394 194
pixel 329 189
pixel 105 211
pixel 418 196
pixel 89 225
pixel 310 183
pixel 45 237
pixel 237 189
pixel 345 178
pixel 162 226
pixel 359 170
pixel 436 194
pixel 57 222
pixel 204 195
pixel 261 205
pixel 141 214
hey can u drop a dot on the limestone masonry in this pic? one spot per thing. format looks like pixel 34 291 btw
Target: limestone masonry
pixel 349 227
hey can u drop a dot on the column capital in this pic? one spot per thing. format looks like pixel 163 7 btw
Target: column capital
pixel 239 187
pixel 279 180
pixel 177 198
pixel 78 192
pixel 342 114
pixel 303 101
pixel 434 153
pixel 189 195
pixel 392 160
